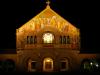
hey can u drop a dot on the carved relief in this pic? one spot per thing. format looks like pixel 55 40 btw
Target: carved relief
pixel 47 18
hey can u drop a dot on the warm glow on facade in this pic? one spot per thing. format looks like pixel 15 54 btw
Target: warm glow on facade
pixel 48 18
pixel 48 42
pixel 48 60
pixel 48 65
pixel 48 38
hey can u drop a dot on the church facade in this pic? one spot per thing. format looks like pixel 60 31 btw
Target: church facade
pixel 47 43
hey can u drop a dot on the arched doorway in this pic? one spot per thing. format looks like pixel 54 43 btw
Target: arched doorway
pixel 31 65
pixel 48 64
pixel 64 64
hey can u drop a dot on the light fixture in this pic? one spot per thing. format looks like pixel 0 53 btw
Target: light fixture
pixel 96 65
pixel 48 60
pixel 91 63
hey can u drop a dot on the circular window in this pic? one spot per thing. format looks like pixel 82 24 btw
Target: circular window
pixel 48 38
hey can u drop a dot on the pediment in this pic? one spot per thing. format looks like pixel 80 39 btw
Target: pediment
pixel 48 17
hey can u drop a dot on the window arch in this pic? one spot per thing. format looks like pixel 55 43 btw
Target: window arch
pixel 65 40
pixel 64 64
pixel 48 38
pixel 31 39
pixel 48 64
pixel 32 65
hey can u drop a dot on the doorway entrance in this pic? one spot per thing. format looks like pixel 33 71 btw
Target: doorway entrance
pixel 64 65
pixel 31 65
pixel 48 65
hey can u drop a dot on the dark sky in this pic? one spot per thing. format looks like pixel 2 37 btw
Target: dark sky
pixel 83 14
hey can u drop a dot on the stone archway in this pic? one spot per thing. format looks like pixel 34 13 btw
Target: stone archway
pixel 31 65
pixel 48 64
pixel 64 64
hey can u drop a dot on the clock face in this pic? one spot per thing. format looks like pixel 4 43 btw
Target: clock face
pixel 48 38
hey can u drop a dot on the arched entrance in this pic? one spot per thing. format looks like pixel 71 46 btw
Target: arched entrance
pixel 64 64
pixel 48 64
pixel 31 65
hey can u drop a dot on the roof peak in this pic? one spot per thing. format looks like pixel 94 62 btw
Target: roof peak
pixel 48 3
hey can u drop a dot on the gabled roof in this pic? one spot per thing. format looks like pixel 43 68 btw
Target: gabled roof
pixel 50 18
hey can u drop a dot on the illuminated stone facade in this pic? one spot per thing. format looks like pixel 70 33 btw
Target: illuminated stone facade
pixel 48 21
pixel 47 42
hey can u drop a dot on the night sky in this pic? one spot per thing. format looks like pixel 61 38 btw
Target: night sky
pixel 84 15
